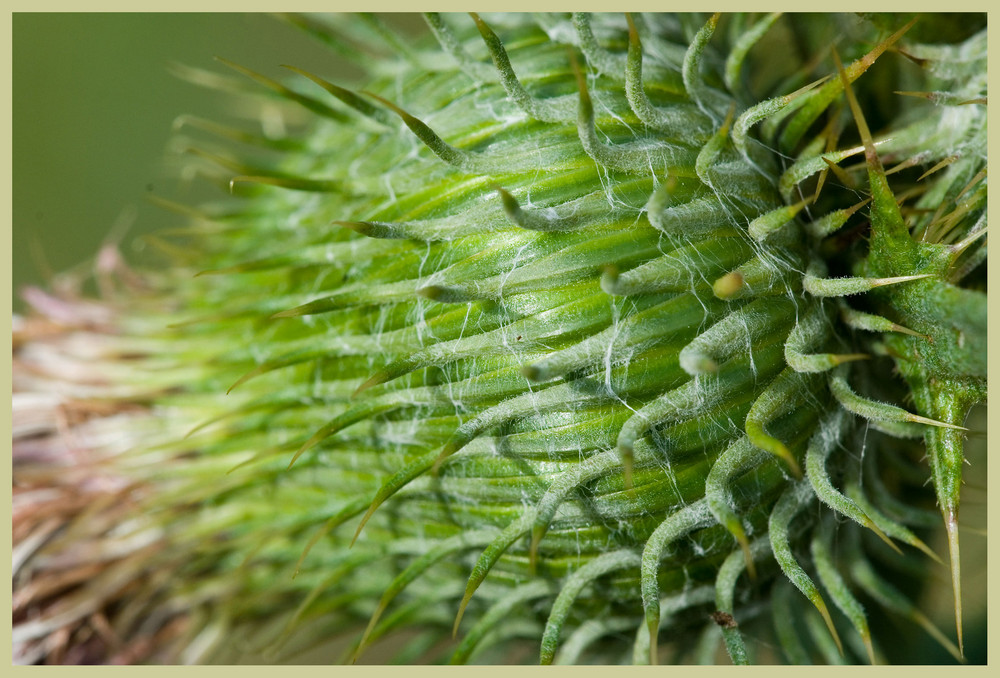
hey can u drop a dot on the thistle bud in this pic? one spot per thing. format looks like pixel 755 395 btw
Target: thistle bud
pixel 605 338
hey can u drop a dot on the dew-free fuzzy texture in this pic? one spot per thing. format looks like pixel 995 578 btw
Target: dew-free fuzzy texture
pixel 598 336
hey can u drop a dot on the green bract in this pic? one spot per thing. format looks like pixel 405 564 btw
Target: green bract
pixel 616 338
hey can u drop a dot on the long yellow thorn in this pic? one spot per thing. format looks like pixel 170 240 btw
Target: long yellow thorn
pixel 951 525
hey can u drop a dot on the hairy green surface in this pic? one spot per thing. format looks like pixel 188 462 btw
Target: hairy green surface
pixel 562 332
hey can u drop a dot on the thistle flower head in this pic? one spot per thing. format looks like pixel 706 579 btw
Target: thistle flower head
pixel 604 336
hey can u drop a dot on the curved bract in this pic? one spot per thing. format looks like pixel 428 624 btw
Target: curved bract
pixel 577 326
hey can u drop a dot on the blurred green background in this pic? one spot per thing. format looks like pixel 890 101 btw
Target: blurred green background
pixel 93 104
